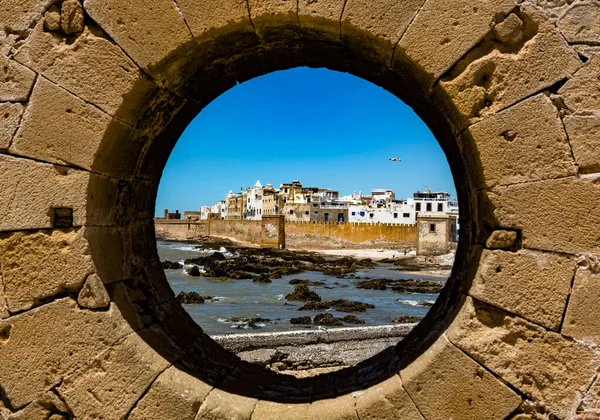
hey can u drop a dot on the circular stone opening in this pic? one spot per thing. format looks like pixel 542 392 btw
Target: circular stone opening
pixel 341 246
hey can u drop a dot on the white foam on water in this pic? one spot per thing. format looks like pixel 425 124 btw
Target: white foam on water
pixel 408 302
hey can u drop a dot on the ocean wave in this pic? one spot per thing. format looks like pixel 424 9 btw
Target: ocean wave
pixel 408 302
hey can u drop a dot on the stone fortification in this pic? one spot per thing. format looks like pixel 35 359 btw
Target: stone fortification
pixel 93 97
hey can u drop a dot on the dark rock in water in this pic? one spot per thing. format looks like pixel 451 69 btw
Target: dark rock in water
pixel 193 271
pixel 304 294
pixel 338 272
pixel 191 298
pixel 387 260
pixel 263 278
pixel 303 320
pixel 425 303
pixel 351 319
pixel 170 265
pixel 407 319
pixel 328 320
pixel 306 282
pixel 417 286
pixel 341 305
pixel 215 256
pixel 375 284
pixel 344 305
pixel 315 306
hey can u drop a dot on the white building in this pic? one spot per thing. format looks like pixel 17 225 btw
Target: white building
pixel 255 202
pixel 397 212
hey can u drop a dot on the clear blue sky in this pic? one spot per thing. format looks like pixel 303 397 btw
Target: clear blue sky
pixel 324 128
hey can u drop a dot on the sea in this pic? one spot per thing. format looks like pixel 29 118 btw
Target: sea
pixel 244 299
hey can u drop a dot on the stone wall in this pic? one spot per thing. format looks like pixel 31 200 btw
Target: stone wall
pixel 95 94
pixel 322 235
pixel 180 230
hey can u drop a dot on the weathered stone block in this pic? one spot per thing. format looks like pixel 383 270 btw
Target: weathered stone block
pixel 498 76
pixel 322 17
pixel 16 80
pixel 148 31
pixel 3 304
pixel 10 117
pixel 46 343
pixel 581 320
pixel 274 410
pixel 174 395
pixel 523 143
pixel 480 395
pixel 580 24
pixel 60 128
pixel 272 18
pixel 554 215
pixel 71 16
pixel 52 18
pixel 534 285
pixel 584 135
pixel 19 16
pixel 386 401
pixel 582 91
pixel 501 239
pixel 91 67
pixel 110 384
pixel 222 405
pixel 93 295
pixel 39 265
pixel 540 363
pixel 510 30
pixel 340 408
pixel 33 189
pixel 442 32
pixel 207 18
pixel 363 19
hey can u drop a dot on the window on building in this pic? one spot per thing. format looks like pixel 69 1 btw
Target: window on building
pixel 362 214
pixel 371 215
pixel 353 213
pixel 316 212
pixel 395 215
pixel 326 217
pixel 432 227
pixel 440 207
pixel 306 213
pixel 315 205
pixel 418 207
pixel 308 199
pixel 406 215
pixel 284 199
pixel 428 208
pixel 286 190
pixel 292 211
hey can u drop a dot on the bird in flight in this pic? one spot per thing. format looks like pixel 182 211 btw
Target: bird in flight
pixel 395 159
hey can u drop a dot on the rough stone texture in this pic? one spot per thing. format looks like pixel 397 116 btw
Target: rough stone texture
pixel 554 215
pixel 510 30
pixel 52 18
pixel 221 405
pixel 10 116
pixel 524 143
pixel 591 401
pixel 442 32
pixel 386 401
pixel 582 91
pixel 19 16
pixel 340 408
pixel 3 304
pixel 321 16
pixel 61 128
pixel 386 20
pixel 118 377
pixel 33 189
pixel 479 396
pixel 501 239
pixel 497 75
pixel 93 295
pixel 583 132
pixel 129 23
pixel 91 67
pixel 39 265
pixel 275 411
pixel 540 363
pixel 534 285
pixel 46 343
pixel 208 17
pixel 174 395
pixel 270 17
pixel 581 321
pixel 16 80
pixel 580 24
pixel 71 16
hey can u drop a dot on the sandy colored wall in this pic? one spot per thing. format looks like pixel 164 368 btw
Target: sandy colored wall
pixel 317 235
pixel 180 230
pixel 241 230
